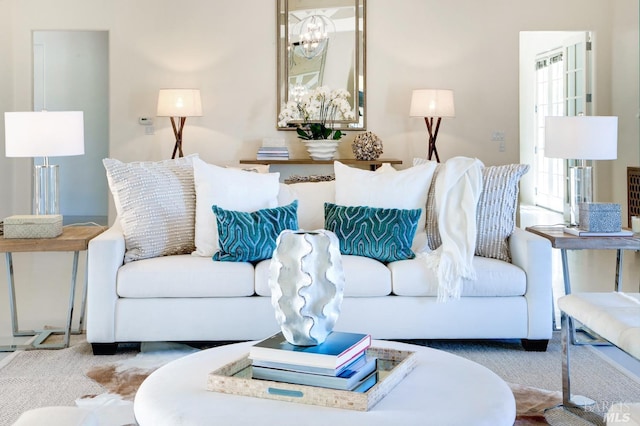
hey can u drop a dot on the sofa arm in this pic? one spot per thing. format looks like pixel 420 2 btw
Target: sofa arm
pixel 105 256
pixel 532 253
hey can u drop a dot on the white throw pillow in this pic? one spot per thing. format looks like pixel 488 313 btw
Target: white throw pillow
pixel 231 189
pixel 402 189
pixel 156 202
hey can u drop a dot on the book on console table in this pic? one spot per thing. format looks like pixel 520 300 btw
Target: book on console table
pixel 582 233
pixel 339 349
pixel 357 374
pixel 273 153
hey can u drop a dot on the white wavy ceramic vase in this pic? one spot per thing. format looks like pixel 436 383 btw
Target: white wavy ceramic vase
pixel 307 285
pixel 322 149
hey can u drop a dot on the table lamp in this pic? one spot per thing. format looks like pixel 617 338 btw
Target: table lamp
pixel 178 104
pixel 44 134
pixel 431 104
pixel 581 138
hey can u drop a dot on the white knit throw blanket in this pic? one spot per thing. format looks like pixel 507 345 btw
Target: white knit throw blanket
pixel 458 188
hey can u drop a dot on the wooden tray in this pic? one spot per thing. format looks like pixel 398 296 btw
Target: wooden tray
pixel 235 378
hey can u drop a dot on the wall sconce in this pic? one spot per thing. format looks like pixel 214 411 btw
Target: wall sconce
pixel 430 104
pixel 581 138
pixel 178 104
pixel 44 134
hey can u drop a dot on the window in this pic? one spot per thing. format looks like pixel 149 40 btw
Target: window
pixel 550 101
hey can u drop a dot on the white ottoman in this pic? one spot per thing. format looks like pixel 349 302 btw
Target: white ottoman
pixel 613 316
pixel 58 416
pixel 443 389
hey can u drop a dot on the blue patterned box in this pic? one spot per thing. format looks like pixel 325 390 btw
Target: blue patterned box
pixel 600 217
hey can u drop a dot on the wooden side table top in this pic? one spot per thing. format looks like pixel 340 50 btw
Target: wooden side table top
pixel 561 240
pixel 73 238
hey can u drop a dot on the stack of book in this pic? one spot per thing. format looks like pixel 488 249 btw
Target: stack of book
pixel 273 153
pixel 340 362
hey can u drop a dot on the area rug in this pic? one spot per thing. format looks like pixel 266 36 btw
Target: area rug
pixel 124 377
pixel 74 376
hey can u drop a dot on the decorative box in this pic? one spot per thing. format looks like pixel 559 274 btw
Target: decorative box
pixel 600 217
pixel 33 226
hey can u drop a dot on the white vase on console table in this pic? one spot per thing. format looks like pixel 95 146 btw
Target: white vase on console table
pixel 323 149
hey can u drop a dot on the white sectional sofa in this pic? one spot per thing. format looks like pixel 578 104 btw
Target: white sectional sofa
pixel 193 298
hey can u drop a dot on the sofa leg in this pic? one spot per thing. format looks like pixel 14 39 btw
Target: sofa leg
pixel 535 345
pixel 104 348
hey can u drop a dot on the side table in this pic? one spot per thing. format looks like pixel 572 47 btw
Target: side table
pixel 73 238
pixel 563 241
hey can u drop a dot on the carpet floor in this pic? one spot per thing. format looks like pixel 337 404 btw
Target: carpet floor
pixel 39 378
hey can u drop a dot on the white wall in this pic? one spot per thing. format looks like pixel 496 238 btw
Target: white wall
pixel 6 104
pixel 411 44
pixel 625 94
pixel 228 52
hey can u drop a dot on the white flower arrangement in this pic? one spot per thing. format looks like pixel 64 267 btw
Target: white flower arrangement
pixel 315 113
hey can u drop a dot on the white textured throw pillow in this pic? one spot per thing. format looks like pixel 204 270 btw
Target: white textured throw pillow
pixel 403 189
pixel 496 217
pixel 230 189
pixel 156 204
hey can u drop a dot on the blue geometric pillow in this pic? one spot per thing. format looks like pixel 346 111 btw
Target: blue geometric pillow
pixel 382 234
pixel 251 236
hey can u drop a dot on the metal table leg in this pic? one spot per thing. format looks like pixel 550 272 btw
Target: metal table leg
pixel 40 335
pixel 569 400
pixel 618 283
pixel 588 339
pixel 83 302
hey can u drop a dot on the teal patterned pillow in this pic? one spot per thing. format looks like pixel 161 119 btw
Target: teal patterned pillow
pixel 251 236
pixel 378 233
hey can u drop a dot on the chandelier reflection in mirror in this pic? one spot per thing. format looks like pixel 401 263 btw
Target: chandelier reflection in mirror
pixel 313 35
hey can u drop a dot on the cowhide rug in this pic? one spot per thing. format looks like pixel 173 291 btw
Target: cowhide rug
pixel 122 380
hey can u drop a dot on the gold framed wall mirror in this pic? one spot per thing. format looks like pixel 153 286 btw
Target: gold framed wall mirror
pixel 322 43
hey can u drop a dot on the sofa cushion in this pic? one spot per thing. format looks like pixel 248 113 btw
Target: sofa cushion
pixel 185 276
pixel 230 189
pixel 404 189
pixel 311 197
pixel 382 234
pixel 155 202
pixel 364 277
pixel 251 236
pixel 494 278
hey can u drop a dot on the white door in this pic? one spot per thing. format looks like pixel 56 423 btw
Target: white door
pixel 563 87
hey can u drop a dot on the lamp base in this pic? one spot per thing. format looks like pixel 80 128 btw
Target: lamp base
pixel 177 123
pixel 433 135
pixel 580 191
pixel 45 197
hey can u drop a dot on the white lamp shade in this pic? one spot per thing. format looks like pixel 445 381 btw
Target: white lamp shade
pixel 179 103
pixel 432 103
pixel 44 134
pixel 581 138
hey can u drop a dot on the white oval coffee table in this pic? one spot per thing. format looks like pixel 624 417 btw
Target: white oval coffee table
pixel 443 389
